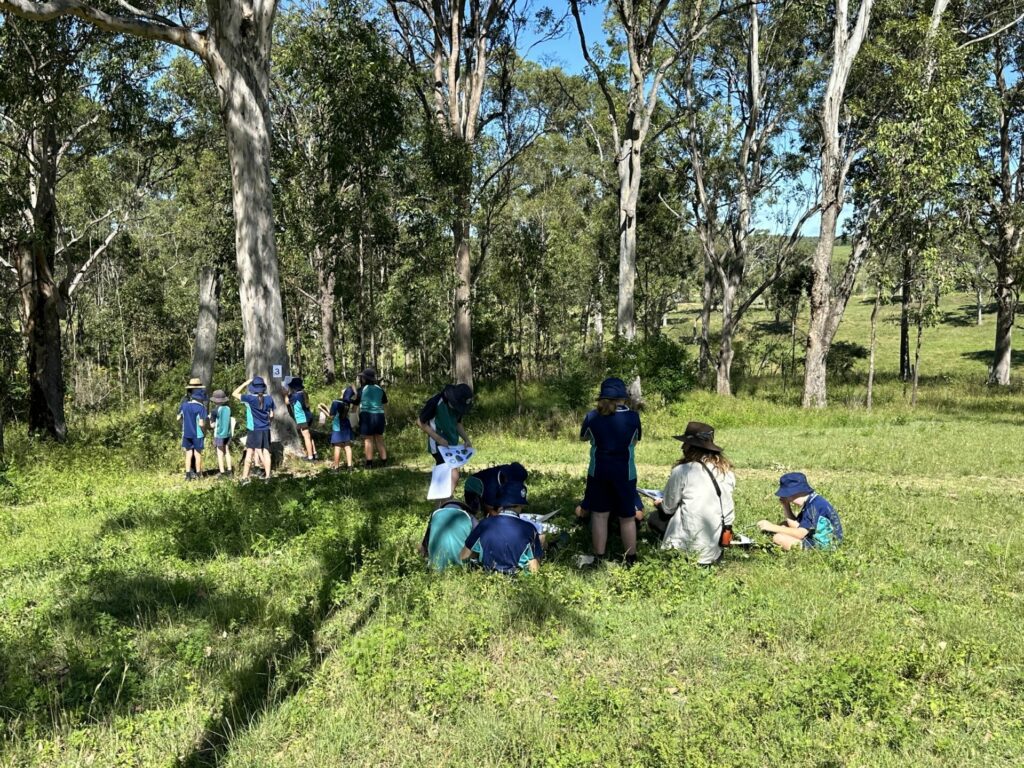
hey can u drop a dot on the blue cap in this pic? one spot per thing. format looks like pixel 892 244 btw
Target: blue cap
pixel 793 484
pixel 257 386
pixel 512 494
pixel 613 389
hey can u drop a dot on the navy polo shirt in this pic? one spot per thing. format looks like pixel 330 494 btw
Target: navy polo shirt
pixel 256 418
pixel 505 543
pixel 612 442
pixel 193 413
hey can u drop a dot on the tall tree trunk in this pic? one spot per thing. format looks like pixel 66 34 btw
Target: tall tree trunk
pixel 40 295
pixel 1006 312
pixel 463 341
pixel 325 283
pixel 874 344
pixel 361 303
pixel 917 351
pixel 205 350
pixel 905 299
pixel 707 296
pixel 629 193
pixel 730 288
pixel 978 303
pixel 826 309
pixel 599 310
pixel 238 60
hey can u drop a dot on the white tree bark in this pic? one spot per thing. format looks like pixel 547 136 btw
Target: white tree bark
pixel 846 44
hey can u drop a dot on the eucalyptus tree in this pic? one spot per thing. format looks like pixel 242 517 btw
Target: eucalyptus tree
pixel 233 40
pixel 464 55
pixel 70 109
pixel 646 40
pixel 742 95
pixel 828 299
pixel 995 42
pixel 339 112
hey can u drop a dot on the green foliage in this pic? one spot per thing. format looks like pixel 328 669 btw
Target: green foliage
pixel 664 366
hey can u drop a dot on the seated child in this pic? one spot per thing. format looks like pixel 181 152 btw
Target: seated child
pixel 816 526
pixel 503 542
pixel 484 487
pixel 449 526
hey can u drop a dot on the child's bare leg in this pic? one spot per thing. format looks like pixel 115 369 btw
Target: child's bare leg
pixel 188 461
pixel 227 456
pixel 199 463
pixel 382 449
pixel 308 439
pixel 368 449
pixel 599 532
pixel 787 542
pixel 246 464
pixel 348 454
pixel 220 458
pixel 337 457
pixel 265 455
pixel 627 529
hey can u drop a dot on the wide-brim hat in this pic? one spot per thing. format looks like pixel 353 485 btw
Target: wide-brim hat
pixel 198 394
pixel 194 383
pixel 793 484
pixel 613 389
pixel 219 396
pixel 294 383
pixel 257 386
pixel 369 376
pixel 459 398
pixel 512 494
pixel 699 435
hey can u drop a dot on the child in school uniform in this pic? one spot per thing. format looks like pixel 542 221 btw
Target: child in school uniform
pixel 259 411
pixel 220 420
pixel 815 523
pixel 193 424
pixel 371 399
pixel 503 541
pixel 298 404
pixel 613 431
pixel 441 420
pixel 341 428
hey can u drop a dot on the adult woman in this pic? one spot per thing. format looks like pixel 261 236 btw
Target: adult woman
pixel 698 496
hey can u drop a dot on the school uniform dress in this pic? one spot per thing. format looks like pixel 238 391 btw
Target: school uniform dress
pixel 193 414
pixel 371 399
pixel 611 476
pixel 446 535
pixel 443 419
pixel 822 521
pixel 505 543
pixel 341 428
pixel 222 435
pixel 257 421
pixel 698 515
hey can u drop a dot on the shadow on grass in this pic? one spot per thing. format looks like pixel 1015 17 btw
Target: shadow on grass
pixel 80 660
pixel 985 356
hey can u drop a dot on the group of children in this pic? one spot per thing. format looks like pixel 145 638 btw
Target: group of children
pixel 200 415
pixel 694 512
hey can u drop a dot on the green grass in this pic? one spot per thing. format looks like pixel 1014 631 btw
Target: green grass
pixel 148 622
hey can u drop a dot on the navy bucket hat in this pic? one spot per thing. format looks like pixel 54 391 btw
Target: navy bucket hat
pixel 613 389
pixel 294 383
pixel 512 494
pixel 257 386
pixel 459 398
pixel 793 484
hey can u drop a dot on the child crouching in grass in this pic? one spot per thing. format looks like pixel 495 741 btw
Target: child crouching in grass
pixel 816 526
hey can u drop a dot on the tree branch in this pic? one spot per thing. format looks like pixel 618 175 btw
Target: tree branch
pixel 183 37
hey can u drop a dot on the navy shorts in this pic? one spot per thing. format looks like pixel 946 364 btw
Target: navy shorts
pixel 221 442
pixel 258 440
pixel 371 424
pixel 615 495
pixel 303 426
pixel 342 436
pixel 192 443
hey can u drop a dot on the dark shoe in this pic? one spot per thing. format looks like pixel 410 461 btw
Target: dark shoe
pixel 629 561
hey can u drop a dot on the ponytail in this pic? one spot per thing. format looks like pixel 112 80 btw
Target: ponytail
pixel 260 396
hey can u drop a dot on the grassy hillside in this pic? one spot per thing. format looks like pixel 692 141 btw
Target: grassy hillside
pixel 144 621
